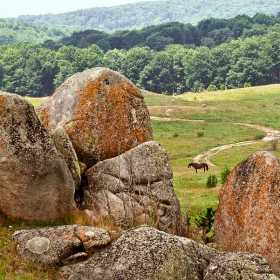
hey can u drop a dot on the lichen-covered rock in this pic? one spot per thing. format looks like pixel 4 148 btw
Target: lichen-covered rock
pixel 64 145
pixel 247 218
pixel 35 184
pixel 134 188
pixel 49 245
pixel 145 253
pixel 102 112
pixel 92 237
pixel 57 245
pixel 241 266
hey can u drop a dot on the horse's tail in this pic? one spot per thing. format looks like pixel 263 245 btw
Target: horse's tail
pixel 206 166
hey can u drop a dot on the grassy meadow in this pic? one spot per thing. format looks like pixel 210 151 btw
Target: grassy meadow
pixel 220 112
pixel 209 121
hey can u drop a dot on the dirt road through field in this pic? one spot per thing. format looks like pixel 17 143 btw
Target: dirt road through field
pixel 206 155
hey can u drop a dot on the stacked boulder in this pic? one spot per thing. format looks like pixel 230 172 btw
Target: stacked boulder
pixel 101 111
pixel 91 143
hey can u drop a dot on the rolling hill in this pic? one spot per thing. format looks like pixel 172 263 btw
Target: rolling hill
pixel 142 14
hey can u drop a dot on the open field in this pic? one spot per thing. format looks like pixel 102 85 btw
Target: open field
pixel 218 113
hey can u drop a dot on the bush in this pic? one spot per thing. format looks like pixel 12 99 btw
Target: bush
pixel 212 88
pixel 212 181
pixel 247 85
pixel 223 87
pixel 200 133
pixel 197 87
pixel 259 136
pixel 206 221
pixel 225 172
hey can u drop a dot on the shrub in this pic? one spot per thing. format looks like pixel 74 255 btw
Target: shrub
pixel 200 133
pixel 247 85
pixel 259 136
pixel 212 181
pixel 175 135
pixel 212 88
pixel 223 87
pixel 225 172
pixel 197 87
pixel 206 221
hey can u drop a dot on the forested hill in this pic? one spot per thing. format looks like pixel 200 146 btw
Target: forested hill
pixel 142 14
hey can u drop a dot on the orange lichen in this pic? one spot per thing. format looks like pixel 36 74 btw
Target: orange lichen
pixel 247 215
pixel 104 119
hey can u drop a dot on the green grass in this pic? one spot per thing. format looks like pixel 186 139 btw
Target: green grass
pixel 255 105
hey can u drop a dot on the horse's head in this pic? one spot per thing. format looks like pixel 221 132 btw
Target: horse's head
pixel 189 165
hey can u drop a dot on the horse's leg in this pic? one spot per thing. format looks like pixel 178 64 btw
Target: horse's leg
pixel 195 170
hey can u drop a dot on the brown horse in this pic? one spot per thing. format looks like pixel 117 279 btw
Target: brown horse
pixel 198 166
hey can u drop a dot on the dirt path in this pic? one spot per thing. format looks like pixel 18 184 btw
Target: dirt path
pixel 206 155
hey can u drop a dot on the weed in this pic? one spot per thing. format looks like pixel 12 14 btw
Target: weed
pixel 259 136
pixel 274 144
pixel 200 133
pixel 212 181
pixel 205 223
pixel 225 172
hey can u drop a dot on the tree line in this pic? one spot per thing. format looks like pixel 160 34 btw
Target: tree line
pixel 35 70
pixel 209 32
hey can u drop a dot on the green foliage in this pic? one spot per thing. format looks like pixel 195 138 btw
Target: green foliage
pixel 160 60
pixel 15 31
pixel 200 133
pixel 212 181
pixel 206 221
pixel 247 85
pixel 224 173
pixel 259 136
pixel 212 88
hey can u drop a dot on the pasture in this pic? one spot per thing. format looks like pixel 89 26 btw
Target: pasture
pixel 212 119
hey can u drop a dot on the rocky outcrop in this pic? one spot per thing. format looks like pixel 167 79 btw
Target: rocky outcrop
pixel 56 245
pixel 36 184
pixel 242 266
pixel 247 218
pixel 145 253
pixel 134 188
pixel 102 112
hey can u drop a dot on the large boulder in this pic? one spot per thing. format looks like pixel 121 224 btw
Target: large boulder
pixel 247 218
pixel 36 184
pixel 145 253
pixel 55 245
pixel 102 112
pixel 134 188
pixel 241 266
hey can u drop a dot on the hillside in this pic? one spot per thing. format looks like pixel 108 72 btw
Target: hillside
pixel 142 14
pixel 15 31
